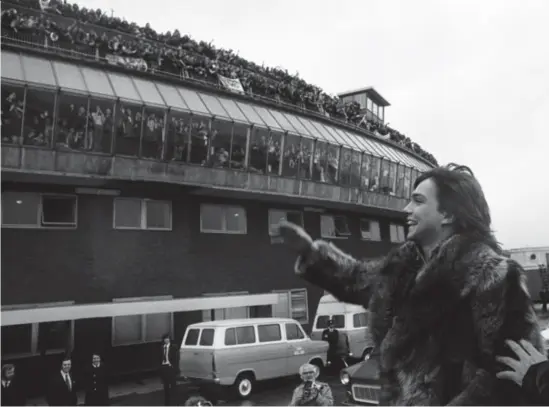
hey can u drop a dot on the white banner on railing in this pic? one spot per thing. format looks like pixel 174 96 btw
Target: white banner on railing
pixel 138 64
pixel 385 137
pixel 233 85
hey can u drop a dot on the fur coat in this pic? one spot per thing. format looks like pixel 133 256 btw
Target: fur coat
pixel 437 325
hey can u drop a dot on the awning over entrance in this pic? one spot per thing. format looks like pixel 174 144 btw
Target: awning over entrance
pixel 112 309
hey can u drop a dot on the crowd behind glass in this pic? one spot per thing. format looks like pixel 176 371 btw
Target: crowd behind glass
pixel 92 32
pixel 64 121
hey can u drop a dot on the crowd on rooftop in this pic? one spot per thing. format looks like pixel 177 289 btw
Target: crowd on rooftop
pixel 94 32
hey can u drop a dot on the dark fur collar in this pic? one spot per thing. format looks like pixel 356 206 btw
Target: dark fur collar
pixel 421 294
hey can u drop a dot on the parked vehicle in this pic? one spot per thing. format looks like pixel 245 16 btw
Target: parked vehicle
pixel 362 383
pixel 238 352
pixel 349 319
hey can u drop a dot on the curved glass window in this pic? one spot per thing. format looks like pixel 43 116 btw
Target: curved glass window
pixel 200 140
pixel 178 140
pixel 220 143
pixel 129 124
pixel 12 113
pixel 39 116
pixel 153 138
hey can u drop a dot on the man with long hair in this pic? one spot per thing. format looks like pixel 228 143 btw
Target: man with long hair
pixel 442 304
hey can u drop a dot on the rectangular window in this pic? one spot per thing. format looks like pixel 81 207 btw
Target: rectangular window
pixel 294 332
pixel 37 210
pixel 292 304
pixel 269 333
pixel 369 230
pixel 276 215
pixel 245 334
pixel 142 214
pixel 222 219
pixel 322 321
pixel 333 226
pixel 360 320
pixel 207 337
pixel 137 329
pixel 32 339
pixel 397 233
pixel 192 337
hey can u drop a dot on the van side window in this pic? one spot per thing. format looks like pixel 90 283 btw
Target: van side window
pixel 322 321
pixel 192 337
pixel 207 337
pixel 269 333
pixel 240 335
pixel 360 320
pixel 293 332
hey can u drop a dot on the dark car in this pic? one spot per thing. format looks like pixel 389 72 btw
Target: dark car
pixel 361 383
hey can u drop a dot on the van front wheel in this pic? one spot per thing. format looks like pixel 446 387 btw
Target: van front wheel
pixel 244 385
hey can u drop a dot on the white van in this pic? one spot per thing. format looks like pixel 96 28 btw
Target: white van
pixel 238 352
pixel 349 319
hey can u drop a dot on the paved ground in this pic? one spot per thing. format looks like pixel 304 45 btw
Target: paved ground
pixel 272 393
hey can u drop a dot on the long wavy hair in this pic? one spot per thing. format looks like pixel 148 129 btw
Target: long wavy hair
pixel 460 195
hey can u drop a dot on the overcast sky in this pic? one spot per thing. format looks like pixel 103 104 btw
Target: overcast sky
pixel 468 80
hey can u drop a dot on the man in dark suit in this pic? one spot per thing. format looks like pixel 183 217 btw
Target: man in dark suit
pixel 95 383
pixel 169 367
pixel 62 386
pixel 12 392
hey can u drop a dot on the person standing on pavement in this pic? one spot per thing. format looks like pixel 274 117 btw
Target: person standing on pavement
pixel 13 393
pixel 529 370
pixel 62 386
pixel 331 335
pixel 311 392
pixel 169 367
pixel 95 383
pixel 441 304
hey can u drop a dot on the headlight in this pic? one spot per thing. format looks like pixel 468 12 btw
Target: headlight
pixel 345 378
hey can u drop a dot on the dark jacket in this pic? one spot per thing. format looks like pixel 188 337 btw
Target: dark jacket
pixel 536 384
pixel 14 394
pixel 437 325
pixel 58 392
pixel 95 385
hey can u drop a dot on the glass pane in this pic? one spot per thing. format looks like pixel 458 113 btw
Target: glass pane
pixel 58 210
pixel 374 183
pixel 127 213
pixel 400 181
pixel 200 138
pixel 101 122
pixel 69 76
pixel 127 329
pixel 370 146
pixel 220 143
pixel 192 337
pixel 275 216
pixel 322 321
pixel 97 81
pixel 179 125
pixel 230 336
pixel 326 135
pixel 129 121
pixel 171 96
pixel 327 226
pixel 232 109
pixel 305 158
pixel 12 67
pixel 299 305
pixel 392 177
pixel 283 121
pixel 158 215
pixel 331 172
pixel 291 157
pixel 207 337
pixel 366 229
pixel 346 137
pixel 267 118
pixel 73 123
pixel 335 135
pixel 12 113
pixel 20 208
pixel 293 332
pixel 282 308
pixel 211 218
pixel 38 70
pixel 407 180
pixel 345 169
pixel 55 335
pixel 251 114
pixel 157 325
pixel 274 152
pixel 214 106
pixel 148 92
pixel 384 181
pixel 238 146
pixel 298 125
pixel 360 320
pixel 193 101
pixel 235 219
pixel 269 333
pixel 312 130
pixel 258 150
pixel 16 338
pixel 38 130
pixel 123 87
pixel 154 135
pixel 355 169
pixel 245 334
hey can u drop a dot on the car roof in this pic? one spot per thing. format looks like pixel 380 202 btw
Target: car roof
pixel 240 322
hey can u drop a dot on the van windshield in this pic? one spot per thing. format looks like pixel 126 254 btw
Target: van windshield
pixel 322 321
